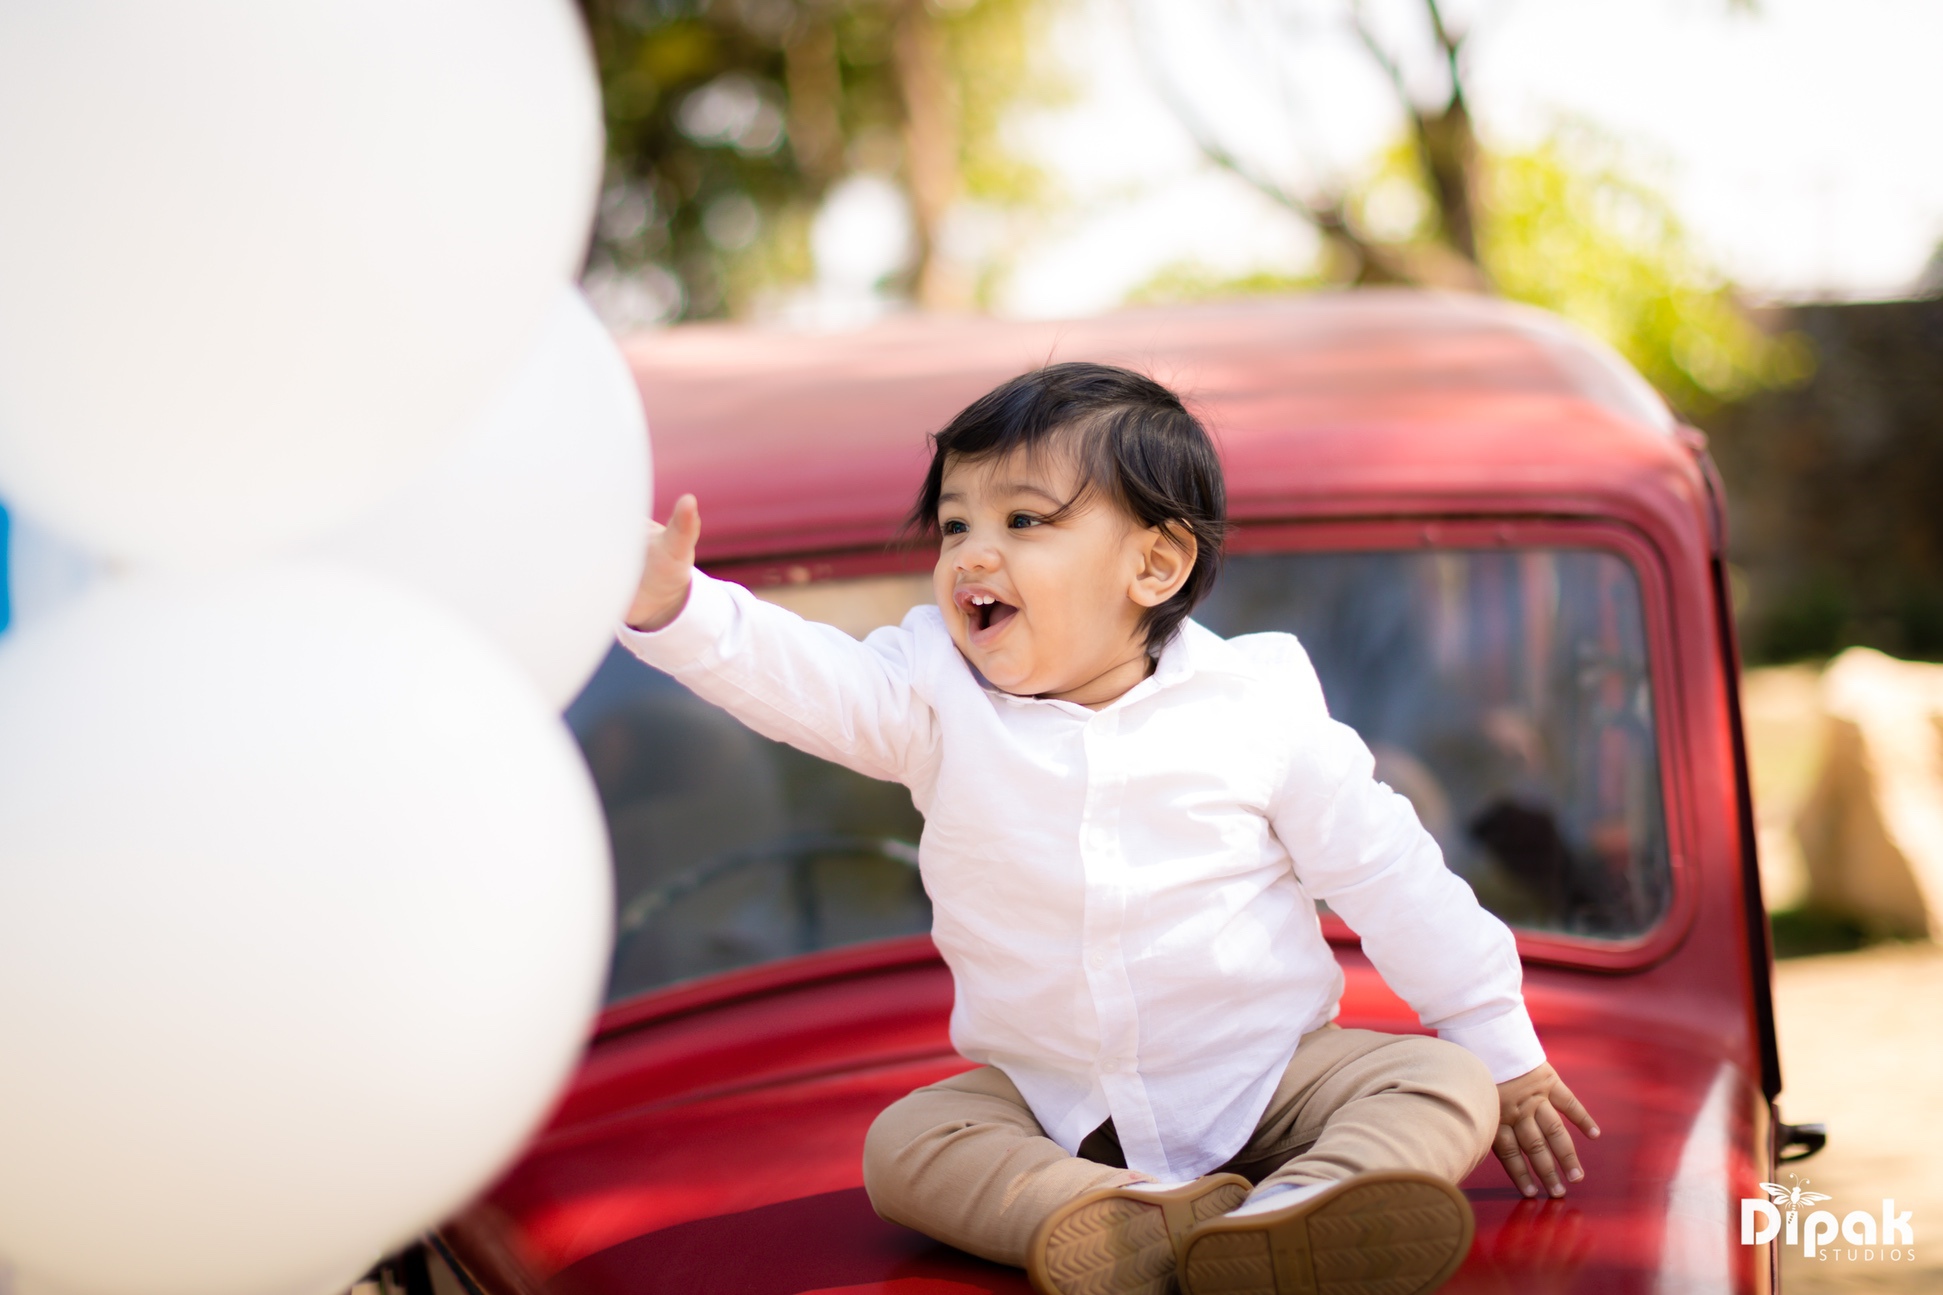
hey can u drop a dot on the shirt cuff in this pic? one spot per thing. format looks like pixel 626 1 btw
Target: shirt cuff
pixel 692 635
pixel 1507 1045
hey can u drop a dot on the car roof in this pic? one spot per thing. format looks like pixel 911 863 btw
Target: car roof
pixel 1374 402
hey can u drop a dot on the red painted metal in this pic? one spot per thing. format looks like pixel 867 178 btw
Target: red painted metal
pixel 1372 402
pixel 711 1141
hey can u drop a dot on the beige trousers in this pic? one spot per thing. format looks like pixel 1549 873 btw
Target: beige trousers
pixel 964 1161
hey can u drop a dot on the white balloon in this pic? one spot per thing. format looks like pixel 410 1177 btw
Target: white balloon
pixel 303 918
pixel 259 263
pixel 534 528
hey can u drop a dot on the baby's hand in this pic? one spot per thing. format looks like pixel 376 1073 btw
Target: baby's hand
pixel 1532 1139
pixel 671 560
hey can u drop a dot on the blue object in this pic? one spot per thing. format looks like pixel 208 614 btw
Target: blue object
pixel 6 565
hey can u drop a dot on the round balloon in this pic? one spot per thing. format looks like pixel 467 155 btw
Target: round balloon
pixel 303 919
pixel 534 527
pixel 260 263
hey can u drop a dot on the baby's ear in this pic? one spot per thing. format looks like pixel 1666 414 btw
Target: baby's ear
pixel 1167 559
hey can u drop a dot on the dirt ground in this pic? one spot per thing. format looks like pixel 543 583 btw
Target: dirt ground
pixel 1862 1051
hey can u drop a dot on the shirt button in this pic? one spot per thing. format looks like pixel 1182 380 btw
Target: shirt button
pixel 1109 1066
pixel 1097 958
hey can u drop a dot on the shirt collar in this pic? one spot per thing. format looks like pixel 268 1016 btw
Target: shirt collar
pixel 1195 649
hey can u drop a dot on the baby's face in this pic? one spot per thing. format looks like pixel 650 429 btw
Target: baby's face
pixel 1042 606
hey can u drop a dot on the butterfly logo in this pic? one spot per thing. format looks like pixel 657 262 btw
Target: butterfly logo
pixel 1793 1197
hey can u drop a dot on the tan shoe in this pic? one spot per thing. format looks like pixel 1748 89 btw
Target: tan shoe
pixel 1374 1234
pixel 1119 1241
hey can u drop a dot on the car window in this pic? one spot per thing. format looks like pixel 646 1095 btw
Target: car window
pixel 1506 694
pixel 730 849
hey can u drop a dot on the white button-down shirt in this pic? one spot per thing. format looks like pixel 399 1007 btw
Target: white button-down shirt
pixel 1126 896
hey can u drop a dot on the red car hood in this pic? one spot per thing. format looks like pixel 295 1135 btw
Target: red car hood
pixel 712 1144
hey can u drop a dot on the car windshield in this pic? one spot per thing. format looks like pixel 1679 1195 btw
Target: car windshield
pixel 732 850
pixel 1504 692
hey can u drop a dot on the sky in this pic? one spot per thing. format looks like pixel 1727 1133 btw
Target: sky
pixel 1801 142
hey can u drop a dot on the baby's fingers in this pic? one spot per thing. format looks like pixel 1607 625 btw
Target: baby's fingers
pixel 671 548
pixel 1512 1157
pixel 685 525
pixel 666 567
pixel 1573 1109
pixel 1559 1139
pixel 1531 1140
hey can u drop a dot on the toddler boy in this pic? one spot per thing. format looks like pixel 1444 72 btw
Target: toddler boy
pixel 1128 821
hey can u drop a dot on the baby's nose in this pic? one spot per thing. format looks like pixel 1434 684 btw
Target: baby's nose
pixel 976 555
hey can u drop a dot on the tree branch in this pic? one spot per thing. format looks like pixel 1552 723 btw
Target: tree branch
pixel 1377 52
pixel 1203 134
pixel 1451 45
pixel 1372 262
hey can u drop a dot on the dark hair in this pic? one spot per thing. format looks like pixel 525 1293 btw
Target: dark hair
pixel 1131 439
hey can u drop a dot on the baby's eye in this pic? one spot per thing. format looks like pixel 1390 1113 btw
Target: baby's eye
pixel 1019 521
pixel 953 527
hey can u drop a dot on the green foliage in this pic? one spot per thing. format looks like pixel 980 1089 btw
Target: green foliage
pixel 664 179
pixel 1806 932
pixel 990 47
pixel 1562 226
pixel 1565 228
pixel 705 187
pixel 1192 281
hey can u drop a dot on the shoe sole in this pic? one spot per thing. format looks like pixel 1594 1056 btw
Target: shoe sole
pixel 1120 1242
pixel 1378 1234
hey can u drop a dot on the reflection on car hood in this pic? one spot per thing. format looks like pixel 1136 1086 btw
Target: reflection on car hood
pixel 712 1144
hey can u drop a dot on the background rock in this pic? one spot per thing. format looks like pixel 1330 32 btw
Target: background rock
pixel 1871 830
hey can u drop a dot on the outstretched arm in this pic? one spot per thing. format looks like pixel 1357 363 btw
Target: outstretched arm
pixel 796 681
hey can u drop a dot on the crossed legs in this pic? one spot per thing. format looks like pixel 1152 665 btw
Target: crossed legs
pixel 964 1161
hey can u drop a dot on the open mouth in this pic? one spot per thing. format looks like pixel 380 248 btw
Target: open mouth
pixel 985 612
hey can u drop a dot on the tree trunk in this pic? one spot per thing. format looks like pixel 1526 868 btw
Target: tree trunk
pixel 1450 155
pixel 815 95
pixel 930 151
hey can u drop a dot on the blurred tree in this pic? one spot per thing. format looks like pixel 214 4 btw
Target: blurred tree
pixel 1565 228
pixel 729 120
pixel 1426 81
pixel 1561 226
pixel 1832 489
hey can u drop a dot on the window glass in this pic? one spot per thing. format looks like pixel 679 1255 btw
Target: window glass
pixel 730 849
pixel 1506 694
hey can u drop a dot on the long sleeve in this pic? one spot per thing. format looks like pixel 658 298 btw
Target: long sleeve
pixel 796 681
pixel 1358 845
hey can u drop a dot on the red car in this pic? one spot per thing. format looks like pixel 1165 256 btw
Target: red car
pixel 1504 557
